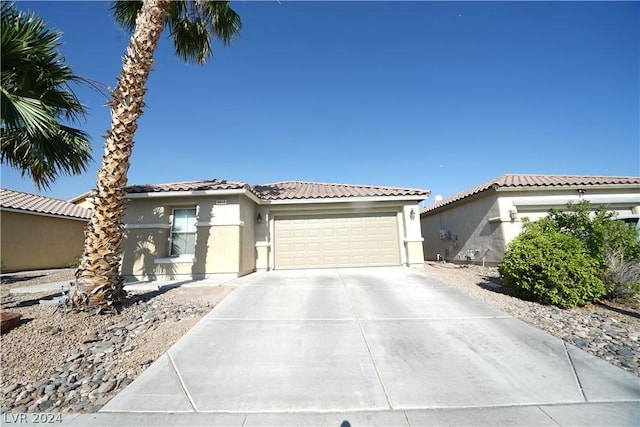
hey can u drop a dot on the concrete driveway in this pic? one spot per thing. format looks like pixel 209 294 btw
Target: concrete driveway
pixel 385 346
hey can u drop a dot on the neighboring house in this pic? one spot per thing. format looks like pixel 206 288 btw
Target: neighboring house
pixel 85 200
pixel 477 224
pixel 39 232
pixel 224 228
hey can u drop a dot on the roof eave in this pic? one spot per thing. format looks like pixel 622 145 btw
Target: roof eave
pixel 50 215
pixel 196 193
pixel 625 186
pixel 80 197
pixel 503 189
pixel 344 199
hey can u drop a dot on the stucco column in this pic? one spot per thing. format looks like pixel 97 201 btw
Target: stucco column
pixel 263 244
pixel 413 236
pixel 262 256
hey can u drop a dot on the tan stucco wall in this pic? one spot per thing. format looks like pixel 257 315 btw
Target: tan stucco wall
pixel 415 254
pixel 219 238
pixel 140 248
pixel 481 227
pixel 248 253
pixel 229 239
pixel 471 233
pixel 33 242
pixel 87 204
pixel 412 235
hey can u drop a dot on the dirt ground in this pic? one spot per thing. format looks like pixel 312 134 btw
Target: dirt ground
pixel 39 349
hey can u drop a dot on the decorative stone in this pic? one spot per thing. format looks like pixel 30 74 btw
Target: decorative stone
pixel 11 388
pixel 625 352
pixel 9 320
pixel 107 387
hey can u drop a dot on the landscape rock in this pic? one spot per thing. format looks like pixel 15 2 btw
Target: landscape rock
pixel 9 320
pixel 75 362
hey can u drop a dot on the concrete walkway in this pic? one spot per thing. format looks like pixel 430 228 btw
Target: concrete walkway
pixel 377 346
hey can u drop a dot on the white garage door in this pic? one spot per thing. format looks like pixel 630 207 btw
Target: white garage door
pixel 314 241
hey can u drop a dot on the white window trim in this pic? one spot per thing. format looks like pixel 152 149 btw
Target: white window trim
pixel 143 226
pixel 219 223
pixel 171 233
pixel 180 259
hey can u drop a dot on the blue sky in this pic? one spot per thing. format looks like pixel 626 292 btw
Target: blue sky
pixel 436 95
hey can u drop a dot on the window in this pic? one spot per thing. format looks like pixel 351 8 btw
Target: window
pixel 183 232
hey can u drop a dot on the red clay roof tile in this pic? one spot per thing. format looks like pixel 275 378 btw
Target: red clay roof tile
pixel 214 184
pixel 294 190
pixel 18 200
pixel 287 190
pixel 532 180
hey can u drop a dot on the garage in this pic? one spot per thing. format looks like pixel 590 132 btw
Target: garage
pixel 336 240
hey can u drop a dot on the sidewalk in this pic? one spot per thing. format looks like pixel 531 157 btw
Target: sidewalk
pixel 585 414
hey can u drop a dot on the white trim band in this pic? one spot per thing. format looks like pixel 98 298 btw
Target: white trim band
pixel 143 226
pixel 415 239
pixel 182 259
pixel 219 223
pixel 59 216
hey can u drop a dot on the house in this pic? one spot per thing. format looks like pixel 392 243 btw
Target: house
pixel 85 199
pixel 39 232
pixel 476 225
pixel 219 228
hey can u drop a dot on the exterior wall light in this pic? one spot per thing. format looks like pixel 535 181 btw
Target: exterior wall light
pixel 412 214
pixel 259 218
pixel 513 213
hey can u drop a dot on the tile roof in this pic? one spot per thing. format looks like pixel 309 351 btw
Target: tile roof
pixel 296 190
pixel 10 199
pixel 82 196
pixel 531 180
pixel 214 184
pixel 287 190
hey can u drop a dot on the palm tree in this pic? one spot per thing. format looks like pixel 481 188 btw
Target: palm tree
pixel 35 96
pixel 191 25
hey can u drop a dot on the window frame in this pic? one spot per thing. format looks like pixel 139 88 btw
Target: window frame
pixel 192 229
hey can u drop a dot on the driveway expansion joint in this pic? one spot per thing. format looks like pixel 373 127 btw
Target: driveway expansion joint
pixel 366 343
pixel 182 384
pixel 575 372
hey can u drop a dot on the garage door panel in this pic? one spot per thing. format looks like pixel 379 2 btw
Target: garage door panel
pixel 336 241
pixel 314 246
pixel 312 233
pixel 328 232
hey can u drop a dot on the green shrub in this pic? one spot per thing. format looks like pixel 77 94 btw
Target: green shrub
pixel 76 263
pixel 546 265
pixel 600 235
pixel 613 244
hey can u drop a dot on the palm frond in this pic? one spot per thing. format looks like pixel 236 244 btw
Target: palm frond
pixel 34 96
pixel 191 25
pixel 125 13
pixel 44 157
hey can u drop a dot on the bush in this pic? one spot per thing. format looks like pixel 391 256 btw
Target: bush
pixel 546 265
pixel 613 244
pixel 622 278
pixel 76 263
pixel 600 235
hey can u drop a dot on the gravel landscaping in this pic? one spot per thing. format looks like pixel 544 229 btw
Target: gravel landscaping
pixel 65 361
pixel 58 361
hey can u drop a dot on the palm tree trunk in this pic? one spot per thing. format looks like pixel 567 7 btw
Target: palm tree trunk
pixel 98 278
